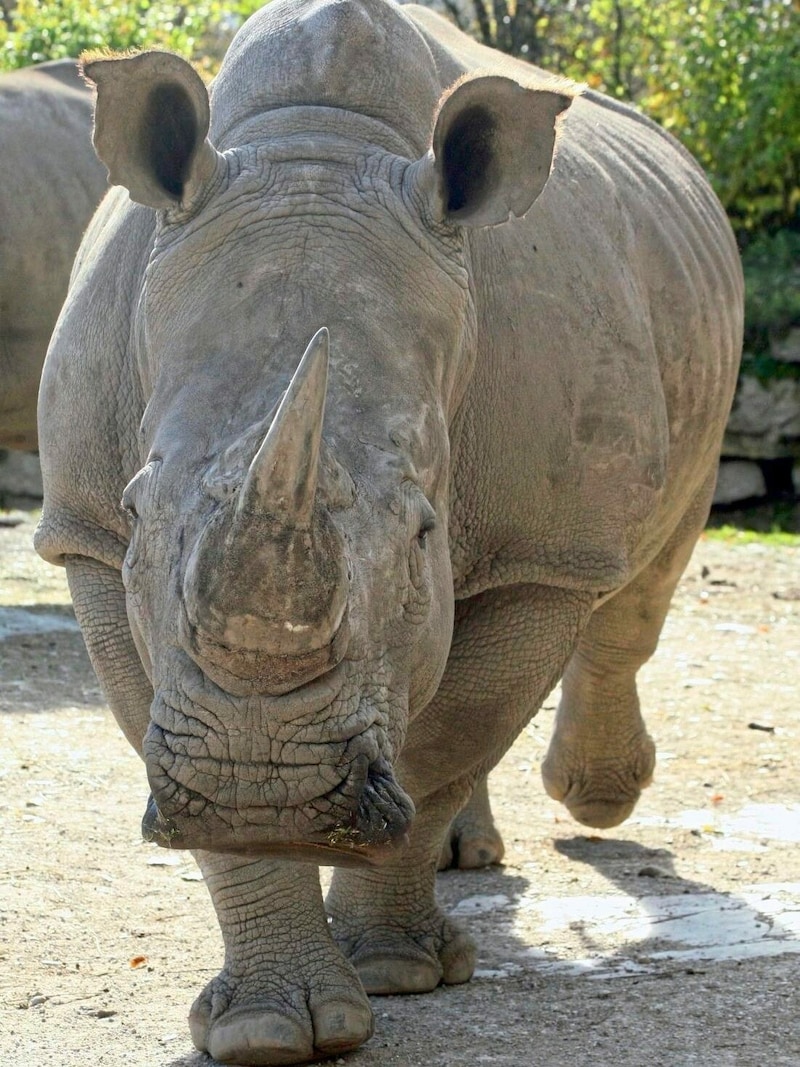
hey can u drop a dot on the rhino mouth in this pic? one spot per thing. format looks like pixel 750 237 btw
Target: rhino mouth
pixel 248 672
pixel 370 835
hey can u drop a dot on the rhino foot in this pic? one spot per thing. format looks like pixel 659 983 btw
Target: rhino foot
pixel 473 840
pixel 391 960
pixel 599 792
pixel 267 1019
pixel 466 850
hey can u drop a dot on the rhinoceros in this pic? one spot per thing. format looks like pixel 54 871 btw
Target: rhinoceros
pixel 51 181
pixel 360 430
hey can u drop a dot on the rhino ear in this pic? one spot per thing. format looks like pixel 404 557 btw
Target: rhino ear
pixel 150 127
pixel 492 151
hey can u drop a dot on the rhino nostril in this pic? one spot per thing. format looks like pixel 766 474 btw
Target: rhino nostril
pixel 157 829
pixel 385 810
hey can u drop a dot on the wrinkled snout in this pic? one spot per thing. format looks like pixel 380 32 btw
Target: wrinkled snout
pixel 307 774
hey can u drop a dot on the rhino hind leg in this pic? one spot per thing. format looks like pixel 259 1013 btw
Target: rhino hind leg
pixel 473 840
pixel 285 994
pixel 600 756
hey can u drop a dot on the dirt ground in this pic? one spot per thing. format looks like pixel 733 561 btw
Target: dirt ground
pixel 673 940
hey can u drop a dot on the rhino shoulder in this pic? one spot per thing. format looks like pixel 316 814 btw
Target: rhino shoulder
pixel 93 428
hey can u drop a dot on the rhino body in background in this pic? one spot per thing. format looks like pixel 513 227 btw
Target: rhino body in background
pixel 358 433
pixel 50 184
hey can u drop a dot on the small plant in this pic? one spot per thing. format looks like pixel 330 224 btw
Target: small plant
pixel 344 835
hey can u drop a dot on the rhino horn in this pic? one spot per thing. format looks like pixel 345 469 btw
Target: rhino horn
pixel 266 588
pixel 282 478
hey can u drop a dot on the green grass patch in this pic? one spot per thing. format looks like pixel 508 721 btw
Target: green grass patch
pixel 734 535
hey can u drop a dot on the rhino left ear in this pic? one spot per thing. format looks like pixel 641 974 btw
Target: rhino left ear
pixel 492 150
pixel 150 126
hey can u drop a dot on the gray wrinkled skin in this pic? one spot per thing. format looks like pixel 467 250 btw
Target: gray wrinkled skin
pixel 386 432
pixel 50 184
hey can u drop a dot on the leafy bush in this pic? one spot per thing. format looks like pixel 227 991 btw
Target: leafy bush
pixel 730 93
pixel 33 31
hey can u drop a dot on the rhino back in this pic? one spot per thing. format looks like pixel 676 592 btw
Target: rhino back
pixel 51 182
pixel 64 71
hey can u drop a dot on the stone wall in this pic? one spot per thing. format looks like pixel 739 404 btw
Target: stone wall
pixel 763 430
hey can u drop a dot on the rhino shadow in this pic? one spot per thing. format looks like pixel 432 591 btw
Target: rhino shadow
pixel 712 925
pixel 659 921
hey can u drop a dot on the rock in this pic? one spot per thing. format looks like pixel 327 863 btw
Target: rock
pixel 654 871
pixel 20 476
pixel 739 479
pixel 765 420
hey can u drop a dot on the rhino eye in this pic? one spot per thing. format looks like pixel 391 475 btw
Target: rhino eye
pixel 127 503
pixel 140 482
pixel 426 526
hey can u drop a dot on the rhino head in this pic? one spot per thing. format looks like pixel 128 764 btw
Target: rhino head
pixel 303 339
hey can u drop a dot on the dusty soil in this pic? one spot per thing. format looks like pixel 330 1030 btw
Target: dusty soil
pixel 673 940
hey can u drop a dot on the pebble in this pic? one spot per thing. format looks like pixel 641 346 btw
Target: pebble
pixel 652 871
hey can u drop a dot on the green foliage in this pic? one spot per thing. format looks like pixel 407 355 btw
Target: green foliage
pixel 32 31
pixel 730 94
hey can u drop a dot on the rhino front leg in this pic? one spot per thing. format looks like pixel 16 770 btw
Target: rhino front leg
pixel 387 921
pixel 509 648
pixel 98 597
pixel 600 756
pixel 474 840
pixel 285 993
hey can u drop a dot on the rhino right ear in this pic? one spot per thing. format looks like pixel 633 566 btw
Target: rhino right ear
pixel 491 152
pixel 150 127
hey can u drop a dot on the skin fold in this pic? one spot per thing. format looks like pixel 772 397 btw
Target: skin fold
pixel 389 430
